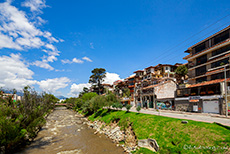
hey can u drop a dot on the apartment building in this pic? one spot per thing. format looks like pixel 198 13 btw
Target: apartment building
pixel 155 86
pixel 208 60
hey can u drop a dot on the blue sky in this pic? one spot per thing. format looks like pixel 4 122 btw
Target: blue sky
pixel 53 45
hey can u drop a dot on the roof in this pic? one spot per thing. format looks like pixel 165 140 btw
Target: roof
pixel 150 67
pixel 138 71
pixel 131 76
pixel 208 83
pixel 155 85
pixel 228 27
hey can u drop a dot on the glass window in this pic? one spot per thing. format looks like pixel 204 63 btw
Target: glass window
pixel 221 37
pixel 201 59
pixel 201 70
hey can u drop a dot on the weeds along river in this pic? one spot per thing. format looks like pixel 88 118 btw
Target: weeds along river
pixel 65 133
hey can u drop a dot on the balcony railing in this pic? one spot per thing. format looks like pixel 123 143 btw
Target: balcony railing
pixel 199 91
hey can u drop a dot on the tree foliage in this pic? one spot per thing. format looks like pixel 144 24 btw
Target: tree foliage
pixel 21 120
pixel 97 77
pixel 181 71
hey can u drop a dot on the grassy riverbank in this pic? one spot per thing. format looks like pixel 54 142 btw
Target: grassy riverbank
pixel 171 135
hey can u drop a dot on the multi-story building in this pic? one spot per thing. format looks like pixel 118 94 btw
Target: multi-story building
pixel 155 85
pixel 207 62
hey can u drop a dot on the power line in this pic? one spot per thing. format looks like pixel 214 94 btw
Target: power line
pixel 175 46
pixel 200 37
pixel 165 52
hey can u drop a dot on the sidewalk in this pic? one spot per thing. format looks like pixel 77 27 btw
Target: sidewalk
pixel 203 117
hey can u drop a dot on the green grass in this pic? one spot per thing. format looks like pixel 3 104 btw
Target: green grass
pixel 171 135
pixel 143 151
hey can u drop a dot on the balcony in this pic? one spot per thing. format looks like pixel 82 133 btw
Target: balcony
pixel 199 91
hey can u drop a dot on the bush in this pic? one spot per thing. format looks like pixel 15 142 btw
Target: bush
pixel 128 107
pixel 20 121
pixel 138 108
pixel 120 106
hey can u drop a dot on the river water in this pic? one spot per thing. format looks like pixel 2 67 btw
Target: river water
pixel 65 133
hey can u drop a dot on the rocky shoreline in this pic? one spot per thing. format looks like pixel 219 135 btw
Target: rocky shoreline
pixel 123 138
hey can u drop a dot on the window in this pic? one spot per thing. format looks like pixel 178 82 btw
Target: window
pixel 221 50
pixel 221 37
pixel 219 63
pixel 201 79
pixel 217 76
pixel 199 48
pixel 201 59
pixel 201 70
pixel 166 68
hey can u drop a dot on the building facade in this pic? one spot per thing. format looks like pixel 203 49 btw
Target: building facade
pixel 208 61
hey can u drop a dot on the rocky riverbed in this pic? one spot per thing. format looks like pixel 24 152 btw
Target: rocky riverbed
pixel 65 133
pixel 126 139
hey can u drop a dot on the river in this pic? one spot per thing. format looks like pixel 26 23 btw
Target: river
pixel 65 133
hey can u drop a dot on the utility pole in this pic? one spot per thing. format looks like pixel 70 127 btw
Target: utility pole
pixel 225 88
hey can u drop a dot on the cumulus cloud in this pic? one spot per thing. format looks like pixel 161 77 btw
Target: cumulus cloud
pixel 18 31
pixel 111 77
pixel 15 73
pixel 52 85
pixel 74 60
pixel 42 64
pixel 75 89
pixel 35 5
pixel 87 59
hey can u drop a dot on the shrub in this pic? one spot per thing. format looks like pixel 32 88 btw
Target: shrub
pixel 120 106
pixel 138 108
pixel 128 107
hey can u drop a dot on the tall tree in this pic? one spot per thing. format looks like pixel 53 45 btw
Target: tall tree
pixel 97 77
pixel 85 90
pixel 181 71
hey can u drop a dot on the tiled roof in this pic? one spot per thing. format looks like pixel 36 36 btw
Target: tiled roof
pixel 150 67
pixel 131 76
pixel 155 85
pixel 188 56
pixel 138 71
pixel 207 83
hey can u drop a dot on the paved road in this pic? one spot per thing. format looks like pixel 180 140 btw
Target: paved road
pixel 195 117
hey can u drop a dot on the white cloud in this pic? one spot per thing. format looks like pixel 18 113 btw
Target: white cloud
pixel 111 77
pixel 52 85
pixel 18 31
pixel 87 59
pixel 79 61
pixel 35 5
pixel 43 64
pixel 74 60
pixel 14 72
pixel 75 89
pixel 91 45
pixel 7 42
pixel 66 61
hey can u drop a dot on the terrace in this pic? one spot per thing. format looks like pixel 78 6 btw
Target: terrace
pixel 213 89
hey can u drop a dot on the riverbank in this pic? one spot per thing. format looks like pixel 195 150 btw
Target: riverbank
pixel 171 135
pixel 64 132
